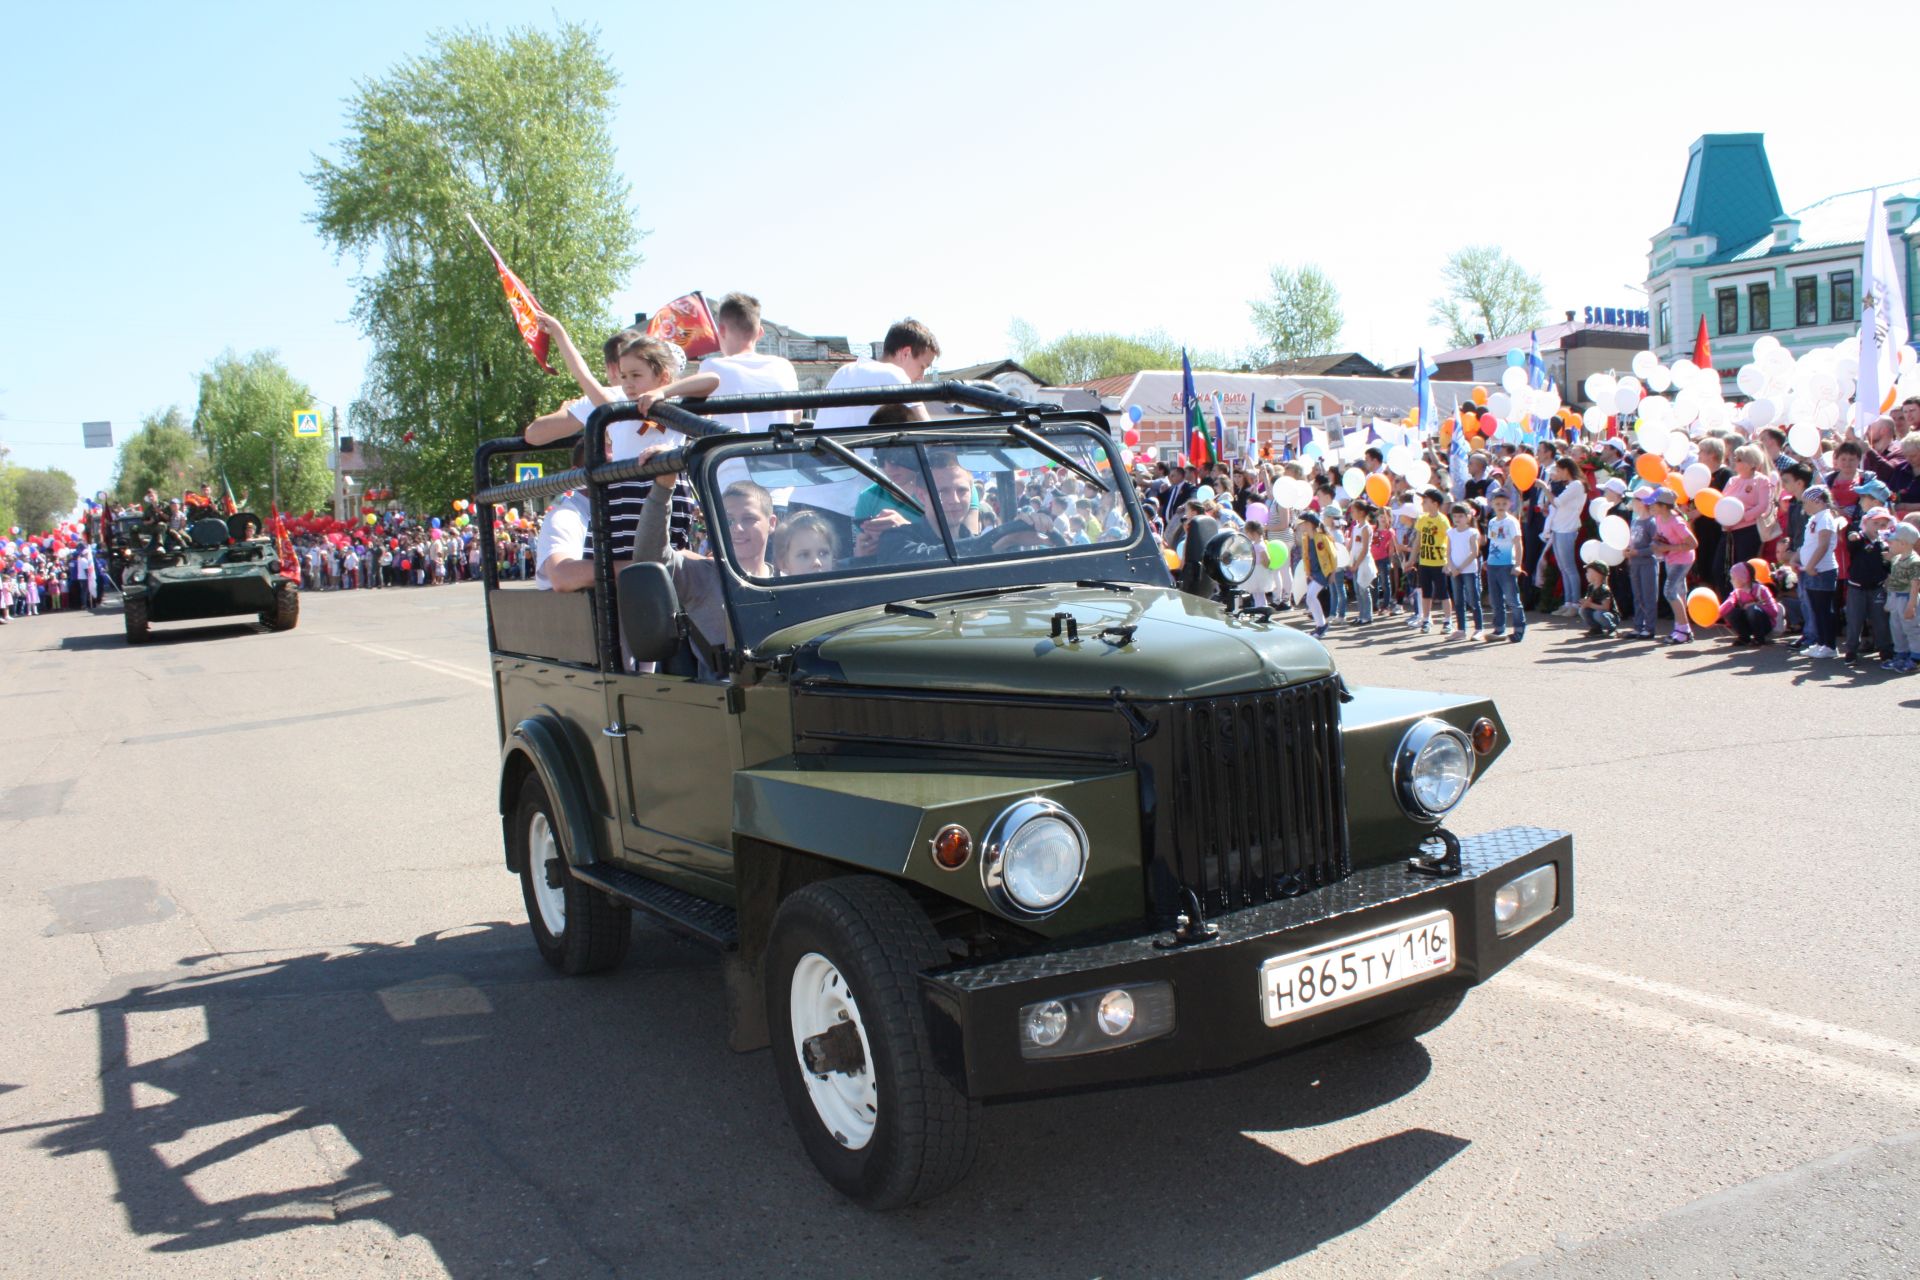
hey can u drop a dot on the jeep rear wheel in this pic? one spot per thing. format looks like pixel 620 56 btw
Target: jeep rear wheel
pixel 285 613
pixel 136 619
pixel 876 1116
pixel 577 928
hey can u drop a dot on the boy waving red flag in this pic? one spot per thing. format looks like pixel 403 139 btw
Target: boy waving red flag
pixel 519 301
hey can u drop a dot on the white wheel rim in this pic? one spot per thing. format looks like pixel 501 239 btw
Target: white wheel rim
pixel 847 1103
pixel 542 848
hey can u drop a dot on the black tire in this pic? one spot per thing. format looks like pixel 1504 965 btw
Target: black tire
pixel 285 613
pixel 597 930
pixel 925 1131
pixel 136 619
pixel 1410 1025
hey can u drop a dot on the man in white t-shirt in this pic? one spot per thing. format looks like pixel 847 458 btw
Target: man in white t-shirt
pixel 906 355
pixel 560 554
pixel 738 370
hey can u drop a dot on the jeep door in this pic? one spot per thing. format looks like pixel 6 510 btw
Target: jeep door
pixel 676 785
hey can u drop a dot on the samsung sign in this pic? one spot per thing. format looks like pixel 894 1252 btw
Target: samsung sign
pixel 1616 317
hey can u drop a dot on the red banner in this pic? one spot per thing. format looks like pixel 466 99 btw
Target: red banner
pixel 688 324
pixel 519 301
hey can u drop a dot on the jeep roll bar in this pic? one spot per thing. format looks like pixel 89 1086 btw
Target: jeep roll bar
pixel 683 419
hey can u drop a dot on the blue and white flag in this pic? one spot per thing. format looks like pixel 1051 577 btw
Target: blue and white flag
pixel 1423 371
pixel 1457 456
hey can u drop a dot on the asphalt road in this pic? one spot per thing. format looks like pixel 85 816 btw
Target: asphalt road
pixel 272 1007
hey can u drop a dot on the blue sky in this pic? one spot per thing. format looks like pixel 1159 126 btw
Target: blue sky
pixel 1081 166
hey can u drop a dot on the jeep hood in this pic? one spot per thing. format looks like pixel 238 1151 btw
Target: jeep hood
pixel 1004 642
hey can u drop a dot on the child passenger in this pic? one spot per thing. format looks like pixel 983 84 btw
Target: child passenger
pixel 804 543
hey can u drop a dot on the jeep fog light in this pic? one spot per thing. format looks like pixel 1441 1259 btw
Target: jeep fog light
pixel 1093 1021
pixel 1525 900
pixel 1034 856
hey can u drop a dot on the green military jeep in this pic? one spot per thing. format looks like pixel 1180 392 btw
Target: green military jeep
pixel 976 804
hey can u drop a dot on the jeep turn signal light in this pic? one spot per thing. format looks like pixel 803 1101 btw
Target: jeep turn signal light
pixel 1483 735
pixel 952 846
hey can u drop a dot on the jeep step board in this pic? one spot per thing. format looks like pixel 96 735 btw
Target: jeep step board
pixel 711 922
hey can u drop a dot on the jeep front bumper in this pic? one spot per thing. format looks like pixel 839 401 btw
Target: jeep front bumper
pixel 1218 1012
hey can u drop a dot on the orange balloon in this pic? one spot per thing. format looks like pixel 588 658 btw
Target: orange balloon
pixel 1703 606
pixel 1172 558
pixel 1379 489
pixel 1446 432
pixel 1524 471
pixel 1479 395
pixel 1651 468
pixel 1679 487
pixel 1575 421
pixel 1706 500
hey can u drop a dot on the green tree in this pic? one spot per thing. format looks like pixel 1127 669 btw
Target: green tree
pixel 1489 294
pixel 163 455
pixel 41 498
pixel 245 422
pixel 1300 316
pixel 514 131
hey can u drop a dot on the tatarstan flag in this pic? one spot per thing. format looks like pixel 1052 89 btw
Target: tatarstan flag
pixel 1200 445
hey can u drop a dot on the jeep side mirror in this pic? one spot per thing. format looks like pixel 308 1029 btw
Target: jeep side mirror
pixel 649 611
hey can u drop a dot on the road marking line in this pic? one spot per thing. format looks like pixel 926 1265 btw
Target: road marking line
pixel 431 664
pixel 1866 1041
pixel 1740 1047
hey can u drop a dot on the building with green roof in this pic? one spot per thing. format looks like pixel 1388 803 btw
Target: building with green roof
pixel 1736 256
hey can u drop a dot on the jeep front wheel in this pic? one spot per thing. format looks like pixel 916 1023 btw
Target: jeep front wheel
pixel 876 1116
pixel 577 928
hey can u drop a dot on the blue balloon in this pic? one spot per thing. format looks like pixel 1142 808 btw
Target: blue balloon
pixel 436 522
pixel 1516 357
pixel 1133 414
pixel 1313 449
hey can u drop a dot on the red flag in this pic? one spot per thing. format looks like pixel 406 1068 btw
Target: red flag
pixel 1702 354
pixel 283 547
pixel 688 324
pixel 519 301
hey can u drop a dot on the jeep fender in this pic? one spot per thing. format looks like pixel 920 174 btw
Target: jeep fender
pixel 539 744
pixel 883 820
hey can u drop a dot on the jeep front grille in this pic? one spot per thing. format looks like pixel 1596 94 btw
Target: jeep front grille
pixel 1252 795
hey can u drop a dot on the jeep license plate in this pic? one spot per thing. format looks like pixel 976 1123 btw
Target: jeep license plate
pixel 1302 983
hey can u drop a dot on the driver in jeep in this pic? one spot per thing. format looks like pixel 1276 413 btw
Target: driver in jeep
pixel 892 536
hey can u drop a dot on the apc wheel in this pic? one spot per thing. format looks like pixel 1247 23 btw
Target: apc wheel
pixel 876 1116
pixel 285 614
pixel 577 928
pixel 1410 1025
pixel 136 620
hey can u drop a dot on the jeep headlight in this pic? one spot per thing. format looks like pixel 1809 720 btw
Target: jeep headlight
pixel 1431 769
pixel 1035 856
pixel 1230 557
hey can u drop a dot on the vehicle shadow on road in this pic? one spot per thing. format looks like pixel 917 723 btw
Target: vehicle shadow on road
pixel 189 635
pixel 454 1089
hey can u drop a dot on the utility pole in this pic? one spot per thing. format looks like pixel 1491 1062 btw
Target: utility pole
pixel 273 453
pixel 337 513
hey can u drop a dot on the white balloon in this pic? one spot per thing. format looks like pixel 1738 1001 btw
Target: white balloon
pixel 1600 388
pixel 1514 379
pixel 1697 477
pixel 1630 381
pixel 1683 373
pixel 1397 459
pixel 1677 448
pixel 1659 378
pixel 1418 473
pixel 1908 383
pixel 1760 413
pixel 1778 362
pixel 1546 402
pixel 1644 363
pixel 1804 439
pixel 1826 415
pixel 1846 367
pixel 1614 532
pixel 1610 556
pixel 1729 511
pixel 1686 406
pixel 1600 508
pixel 1590 550
pixel 1651 434
pixel 1626 397
pixel 1764 346
pixel 1849 349
pixel 1300 578
pixel 1656 409
pixel 1752 380
pixel 1353 481
pixel 1502 405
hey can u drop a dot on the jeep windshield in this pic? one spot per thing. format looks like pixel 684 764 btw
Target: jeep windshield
pixel 927 498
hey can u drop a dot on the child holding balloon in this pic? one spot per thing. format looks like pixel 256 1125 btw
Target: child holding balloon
pixel 1675 545
pixel 1750 608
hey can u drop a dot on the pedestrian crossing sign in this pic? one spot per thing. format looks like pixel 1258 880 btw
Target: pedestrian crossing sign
pixel 528 471
pixel 306 422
